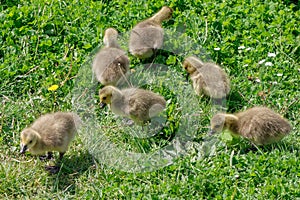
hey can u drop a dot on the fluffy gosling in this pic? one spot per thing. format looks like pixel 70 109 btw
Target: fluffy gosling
pixel 208 78
pixel 111 62
pixel 50 132
pixel 260 125
pixel 137 104
pixel 148 35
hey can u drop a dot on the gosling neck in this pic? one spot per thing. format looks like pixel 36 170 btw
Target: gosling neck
pixel 117 102
pixel 36 133
pixel 231 123
pixel 117 95
pixel 195 62
pixel 161 15
pixel 39 144
pixel 111 42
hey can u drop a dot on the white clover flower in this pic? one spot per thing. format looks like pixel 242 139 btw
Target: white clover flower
pixel 268 64
pixel 248 49
pixel 271 54
pixel 246 65
pixel 241 47
pixel 279 74
pixel 261 62
pixel 274 82
pixel 257 80
pixel 217 49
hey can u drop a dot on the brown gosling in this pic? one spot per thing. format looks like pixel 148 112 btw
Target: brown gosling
pixel 50 132
pixel 148 35
pixel 111 62
pixel 260 125
pixel 208 78
pixel 137 104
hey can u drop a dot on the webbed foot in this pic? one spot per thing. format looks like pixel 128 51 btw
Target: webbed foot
pixel 52 169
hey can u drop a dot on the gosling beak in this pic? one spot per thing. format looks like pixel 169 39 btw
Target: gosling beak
pixel 23 148
pixel 211 132
pixel 102 105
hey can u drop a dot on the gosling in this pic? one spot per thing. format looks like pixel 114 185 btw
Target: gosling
pixel 50 132
pixel 147 36
pixel 208 78
pixel 111 62
pixel 137 104
pixel 260 125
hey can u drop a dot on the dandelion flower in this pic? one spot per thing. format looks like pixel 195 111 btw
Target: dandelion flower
pixel 271 54
pixel 268 64
pixel 53 88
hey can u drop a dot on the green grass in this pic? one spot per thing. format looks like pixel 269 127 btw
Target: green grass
pixel 53 42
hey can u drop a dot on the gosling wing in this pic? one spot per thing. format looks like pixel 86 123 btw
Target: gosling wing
pixel 55 128
pixel 109 58
pixel 215 82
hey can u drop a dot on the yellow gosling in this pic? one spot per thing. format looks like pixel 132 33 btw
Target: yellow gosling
pixel 137 104
pixel 208 78
pixel 111 62
pixel 260 125
pixel 50 132
pixel 148 35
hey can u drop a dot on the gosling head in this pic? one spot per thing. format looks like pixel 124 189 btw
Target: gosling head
pixel 110 37
pixel 188 67
pixel 105 95
pixel 217 124
pixel 221 121
pixel 192 64
pixel 29 138
pixel 164 13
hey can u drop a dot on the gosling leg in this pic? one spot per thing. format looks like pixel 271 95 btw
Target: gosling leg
pixel 49 156
pixel 55 169
pixel 61 155
pixel 254 148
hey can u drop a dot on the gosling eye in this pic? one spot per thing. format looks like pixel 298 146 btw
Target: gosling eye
pixel 217 126
pixel 104 98
pixel 30 141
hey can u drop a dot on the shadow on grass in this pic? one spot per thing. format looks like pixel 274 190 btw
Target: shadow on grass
pixel 295 2
pixel 72 168
pixel 281 146
pixel 235 101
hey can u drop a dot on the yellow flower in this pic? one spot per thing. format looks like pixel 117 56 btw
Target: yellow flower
pixel 53 88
